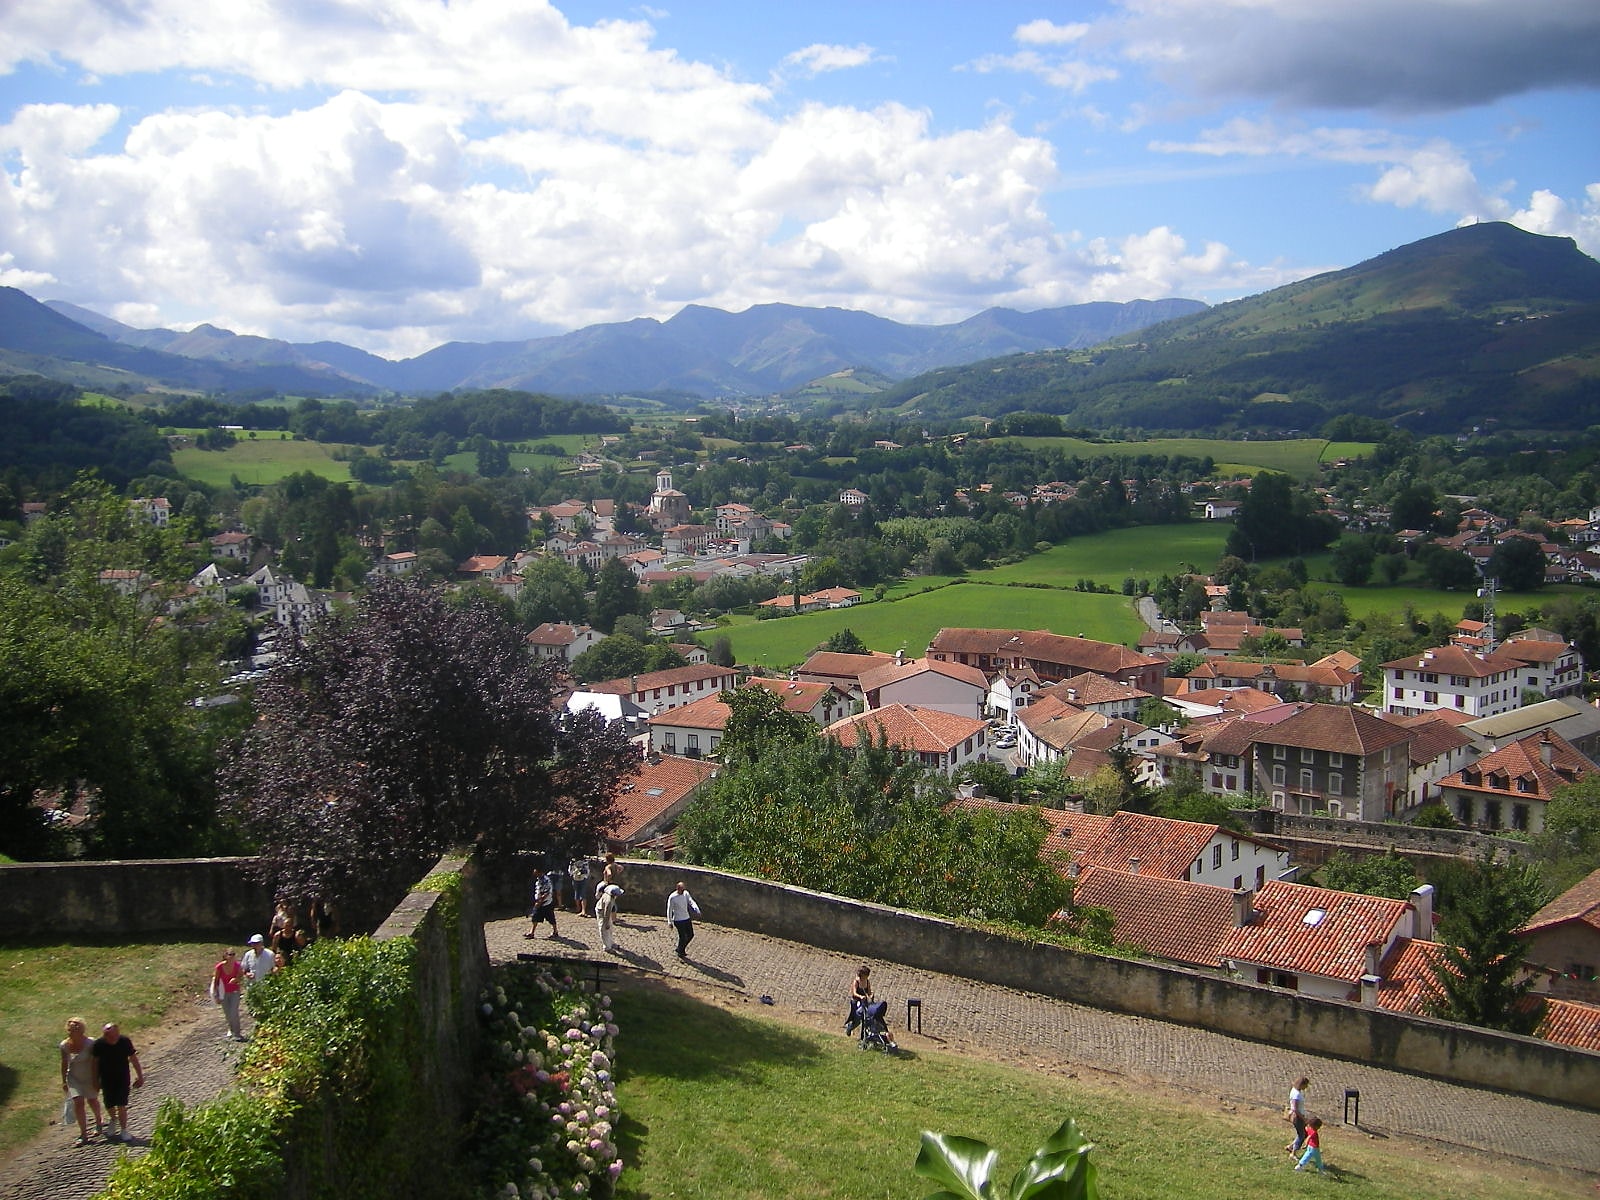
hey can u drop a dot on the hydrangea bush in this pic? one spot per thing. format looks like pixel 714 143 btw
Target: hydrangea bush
pixel 545 1128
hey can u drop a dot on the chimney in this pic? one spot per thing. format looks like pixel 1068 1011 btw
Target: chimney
pixel 1547 749
pixel 1369 990
pixel 1074 869
pixel 1422 922
pixel 900 657
pixel 1133 866
pixel 1374 951
pixel 1243 911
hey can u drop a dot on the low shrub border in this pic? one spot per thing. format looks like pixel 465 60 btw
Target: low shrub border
pixel 543 1129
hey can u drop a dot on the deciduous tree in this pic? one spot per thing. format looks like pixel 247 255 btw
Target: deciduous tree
pixel 407 726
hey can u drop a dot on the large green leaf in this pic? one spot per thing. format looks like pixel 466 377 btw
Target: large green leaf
pixel 961 1165
pixel 1059 1169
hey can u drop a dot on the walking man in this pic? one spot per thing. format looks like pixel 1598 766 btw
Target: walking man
pixel 112 1055
pixel 258 962
pixel 681 911
pixel 544 904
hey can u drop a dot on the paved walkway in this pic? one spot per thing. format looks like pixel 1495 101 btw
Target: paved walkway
pixel 185 1057
pixel 958 1011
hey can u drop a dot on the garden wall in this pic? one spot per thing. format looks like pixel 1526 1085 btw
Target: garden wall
pixel 1444 1050
pixel 132 897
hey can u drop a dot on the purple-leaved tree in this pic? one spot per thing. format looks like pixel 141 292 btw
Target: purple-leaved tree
pixel 405 726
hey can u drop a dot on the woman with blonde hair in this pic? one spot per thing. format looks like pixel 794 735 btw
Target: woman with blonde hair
pixel 77 1077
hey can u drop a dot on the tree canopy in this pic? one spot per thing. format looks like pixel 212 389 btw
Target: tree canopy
pixel 1477 980
pixel 409 725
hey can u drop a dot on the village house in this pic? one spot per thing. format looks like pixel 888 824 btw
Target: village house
pixel 1509 787
pixel 1453 677
pixel 1563 940
pixel 660 691
pixel 935 739
pixel 949 687
pixel 1051 656
pixel 650 803
pixel 554 639
pixel 844 671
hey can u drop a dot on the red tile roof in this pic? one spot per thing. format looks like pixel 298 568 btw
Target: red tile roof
pixel 1335 728
pixel 1518 770
pixel 1455 660
pixel 1332 946
pixel 887 673
pixel 909 727
pixel 1042 646
pixel 797 695
pixel 657 679
pixel 656 788
pixel 1170 918
pixel 1163 847
pixel 708 712
pixel 1580 902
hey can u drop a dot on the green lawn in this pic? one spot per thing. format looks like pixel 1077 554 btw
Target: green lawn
pixel 43 983
pixel 1145 552
pixel 719 1104
pixel 911 623
pixel 266 458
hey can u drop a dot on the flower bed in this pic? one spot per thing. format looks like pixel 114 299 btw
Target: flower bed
pixel 544 1129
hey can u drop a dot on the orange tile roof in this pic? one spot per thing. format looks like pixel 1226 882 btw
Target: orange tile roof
pixel 842 666
pixel 1580 902
pixel 1333 947
pixel 1043 646
pixel 909 727
pixel 1170 918
pixel 1518 770
pixel 1336 728
pixel 797 695
pixel 655 789
pixel 1455 660
pixel 1088 688
pixel 1164 847
pixel 708 712
pixel 884 674
pixel 1570 1023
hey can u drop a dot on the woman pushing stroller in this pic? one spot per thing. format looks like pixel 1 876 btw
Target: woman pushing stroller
pixel 868 1013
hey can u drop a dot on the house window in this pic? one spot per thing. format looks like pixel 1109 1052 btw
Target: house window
pixel 1216 779
pixel 1307 756
pixel 1280 752
pixel 669 742
pixel 1430 697
pixel 1238 882
pixel 1233 846
pixel 1261 877
pixel 1336 784
pixel 1336 760
pixel 1306 781
pixel 1519 817
pixel 693 741
pixel 1491 813
pixel 1277 777
pixel 1216 858
pixel 1461 701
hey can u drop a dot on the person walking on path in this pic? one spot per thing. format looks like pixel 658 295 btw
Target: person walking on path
pixel 258 961
pixel 1295 1110
pixel 860 997
pixel 681 911
pixel 544 905
pixel 605 915
pixel 226 981
pixel 578 872
pixel 77 1078
pixel 112 1055
pixel 1313 1151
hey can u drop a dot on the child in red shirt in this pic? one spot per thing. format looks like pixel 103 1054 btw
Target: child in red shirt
pixel 1313 1152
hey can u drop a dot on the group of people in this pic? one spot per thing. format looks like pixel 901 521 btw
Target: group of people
pixel 286 937
pixel 681 907
pixel 104 1069
pixel 1306 1149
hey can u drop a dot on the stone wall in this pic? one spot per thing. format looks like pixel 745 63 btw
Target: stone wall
pixel 1459 1053
pixel 135 897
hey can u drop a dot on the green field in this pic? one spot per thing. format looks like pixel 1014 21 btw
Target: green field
pixel 1298 457
pixel 1145 552
pixel 266 458
pixel 911 623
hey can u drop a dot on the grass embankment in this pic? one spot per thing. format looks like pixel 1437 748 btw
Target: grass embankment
pixel 266 458
pixel 718 1104
pixel 43 983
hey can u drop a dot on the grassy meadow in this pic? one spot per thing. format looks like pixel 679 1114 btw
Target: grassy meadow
pixel 268 457
pixel 1145 552
pixel 1298 456
pixel 910 624
pixel 42 983
pixel 719 1104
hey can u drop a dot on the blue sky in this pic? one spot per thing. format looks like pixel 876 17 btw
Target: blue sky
pixel 400 173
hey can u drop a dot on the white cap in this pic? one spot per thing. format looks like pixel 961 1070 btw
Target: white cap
pixel 257 940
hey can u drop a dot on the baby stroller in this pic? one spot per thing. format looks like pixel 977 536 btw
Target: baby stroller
pixel 875 1033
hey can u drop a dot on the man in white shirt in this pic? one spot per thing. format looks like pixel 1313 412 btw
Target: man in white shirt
pixel 258 962
pixel 681 911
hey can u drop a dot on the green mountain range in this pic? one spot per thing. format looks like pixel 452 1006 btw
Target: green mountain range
pixel 1485 325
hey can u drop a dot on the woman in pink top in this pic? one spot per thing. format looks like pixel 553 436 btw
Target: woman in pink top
pixel 226 981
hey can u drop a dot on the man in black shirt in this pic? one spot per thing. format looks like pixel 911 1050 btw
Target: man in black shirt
pixel 112 1055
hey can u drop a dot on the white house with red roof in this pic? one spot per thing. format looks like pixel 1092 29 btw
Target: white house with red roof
pixel 950 687
pixel 1142 844
pixel 555 639
pixel 659 691
pixel 1453 677
pixel 939 740
pixel 1551 666
pixel 1051 656
pixel 1317 941
pixel 844 671
pixel 1096 693
pixel 1509 788
pixel 1170 918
